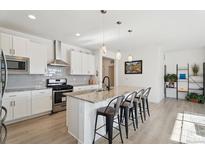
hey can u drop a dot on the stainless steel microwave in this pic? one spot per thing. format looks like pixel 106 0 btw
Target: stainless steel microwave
pixel 17 65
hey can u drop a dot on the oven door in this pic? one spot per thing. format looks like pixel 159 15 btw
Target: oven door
pixel 17 65
pixel 59 98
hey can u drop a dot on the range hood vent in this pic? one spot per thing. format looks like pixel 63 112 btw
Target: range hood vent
pixel 58 56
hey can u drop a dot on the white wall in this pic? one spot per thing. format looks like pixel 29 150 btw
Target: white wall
pixel 183 57
pixel 152 72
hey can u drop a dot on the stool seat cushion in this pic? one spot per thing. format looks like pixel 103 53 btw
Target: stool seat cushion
pixel 126 104
pixel 109 112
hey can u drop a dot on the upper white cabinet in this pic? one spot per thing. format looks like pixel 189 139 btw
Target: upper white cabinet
pixel 6 43
pixel 82 63
pixel 38 58
pixel 13 45
pixel 75 63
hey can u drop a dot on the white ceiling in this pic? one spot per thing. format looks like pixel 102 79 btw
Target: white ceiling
pixel 169 30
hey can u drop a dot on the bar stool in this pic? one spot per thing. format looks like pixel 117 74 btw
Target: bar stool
pixel 110 112
pixel 145 102
pixel 138 103
pixel 128 106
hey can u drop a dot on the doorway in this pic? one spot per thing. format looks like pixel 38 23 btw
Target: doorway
pixel 109 69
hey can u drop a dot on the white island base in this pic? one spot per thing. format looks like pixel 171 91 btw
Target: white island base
pixel 80 119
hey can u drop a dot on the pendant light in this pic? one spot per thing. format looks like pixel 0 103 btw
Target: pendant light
pixel 118 54
pixel 130 56
pixel 103 48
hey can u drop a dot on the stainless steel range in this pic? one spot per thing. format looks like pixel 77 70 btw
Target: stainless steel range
pixel 59 87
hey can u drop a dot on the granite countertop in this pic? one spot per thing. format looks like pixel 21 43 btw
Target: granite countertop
pixel 94 96
pixel 79 85
pixel 25 89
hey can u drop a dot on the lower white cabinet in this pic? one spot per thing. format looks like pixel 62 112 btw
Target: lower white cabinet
pixel 41 101
pixel 27 103
pixel 18 105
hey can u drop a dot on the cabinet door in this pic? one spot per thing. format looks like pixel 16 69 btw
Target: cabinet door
pixel 20 46
pixel 22 105
pixel 65 53
pixel 76 63
pixel 85 59
pixel 41 101
pixel 91 64
pixel 38 58
pixel 6 43
pixel 7 103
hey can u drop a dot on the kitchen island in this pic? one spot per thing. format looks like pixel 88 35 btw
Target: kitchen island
pixel 81 111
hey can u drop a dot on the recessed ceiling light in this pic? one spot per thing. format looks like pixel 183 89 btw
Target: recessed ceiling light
pixel 31 16
pixel 77 34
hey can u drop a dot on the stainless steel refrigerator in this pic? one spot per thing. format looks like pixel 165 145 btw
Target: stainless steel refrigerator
pixel 3 110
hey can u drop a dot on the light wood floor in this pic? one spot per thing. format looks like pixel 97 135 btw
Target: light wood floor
pixel 156 129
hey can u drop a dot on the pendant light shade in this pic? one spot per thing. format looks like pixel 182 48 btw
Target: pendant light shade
pixel 129 58
pixel 118 55
pixel 104 49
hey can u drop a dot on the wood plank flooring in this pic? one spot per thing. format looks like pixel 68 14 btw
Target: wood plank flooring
pixel 51 129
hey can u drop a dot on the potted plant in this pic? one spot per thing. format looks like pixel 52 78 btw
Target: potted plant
pixel 195 69
pixel 193 97
pixel 201 99
pixel 171 79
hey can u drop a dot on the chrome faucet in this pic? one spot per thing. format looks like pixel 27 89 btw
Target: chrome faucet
pixel 107 86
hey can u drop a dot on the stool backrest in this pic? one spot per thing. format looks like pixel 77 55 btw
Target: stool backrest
pixel 130 98
pixel 140 93
pixel 147 92
pixel 116 102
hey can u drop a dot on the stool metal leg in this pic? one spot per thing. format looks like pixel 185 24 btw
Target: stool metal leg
pixel 147 107
pixel 110 127
pixel 133 120
pixel 126 120
pixel 136 115
pixel 119 124
pixel 144 109
pixel 96 119
pixel 141 112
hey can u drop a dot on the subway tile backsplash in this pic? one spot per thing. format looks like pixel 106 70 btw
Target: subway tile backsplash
pixel 29 81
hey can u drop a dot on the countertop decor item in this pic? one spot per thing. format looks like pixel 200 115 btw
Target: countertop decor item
pixel 195 69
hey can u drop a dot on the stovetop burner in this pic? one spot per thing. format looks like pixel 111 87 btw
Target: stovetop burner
pixel 59 84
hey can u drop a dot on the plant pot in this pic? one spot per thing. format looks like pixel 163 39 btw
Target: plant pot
pixel 194 101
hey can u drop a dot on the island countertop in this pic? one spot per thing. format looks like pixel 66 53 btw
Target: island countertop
pixel 94 96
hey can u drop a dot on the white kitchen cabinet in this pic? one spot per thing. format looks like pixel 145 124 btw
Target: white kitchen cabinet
pixel 38 58
pixel 14 45
pixel 7 103
pixel 18 104
pixel 22 105
pixel 82 63
pixel 20 46
pixel 76 64
pixel 91 64
pixel 6 43
pixel 41 101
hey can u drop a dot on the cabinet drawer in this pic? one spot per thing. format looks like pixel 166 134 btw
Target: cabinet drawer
pixel 42 92
pixel 16 94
